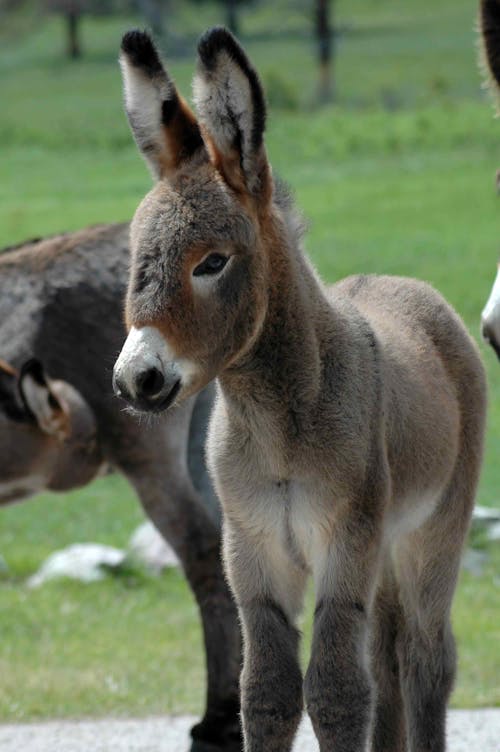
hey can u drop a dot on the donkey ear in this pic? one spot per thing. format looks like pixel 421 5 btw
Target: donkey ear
pixel 164 127
pixel 490 47
pixel 10 402
pixel 51 414
pixel 231 107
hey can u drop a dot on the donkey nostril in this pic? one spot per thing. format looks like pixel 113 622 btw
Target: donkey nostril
pixel 149 383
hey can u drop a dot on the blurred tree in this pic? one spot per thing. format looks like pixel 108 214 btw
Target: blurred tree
pixel 232 16
pixel 73 11
pixel 232 12
pixel 325 38
pixel 154 11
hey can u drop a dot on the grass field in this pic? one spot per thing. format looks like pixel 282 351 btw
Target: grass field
pixel 397 177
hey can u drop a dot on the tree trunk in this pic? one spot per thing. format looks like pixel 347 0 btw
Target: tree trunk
pixel 232 17
pixel 153 12
pixel 73 27
pixel 324 36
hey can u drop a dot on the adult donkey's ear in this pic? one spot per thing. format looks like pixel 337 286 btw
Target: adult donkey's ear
pixel 57 407
pixel 164 127
pixel 10 401
pixel 231 107
pixel 50 413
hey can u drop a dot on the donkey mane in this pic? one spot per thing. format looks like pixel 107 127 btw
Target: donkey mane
pixel 284 199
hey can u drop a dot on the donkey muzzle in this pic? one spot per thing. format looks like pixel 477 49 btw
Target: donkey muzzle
pixel 144 375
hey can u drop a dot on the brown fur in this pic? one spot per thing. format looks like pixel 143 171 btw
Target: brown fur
pixel 345 442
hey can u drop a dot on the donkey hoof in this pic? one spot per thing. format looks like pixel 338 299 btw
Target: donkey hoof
pixel 232 745
pixel 208 738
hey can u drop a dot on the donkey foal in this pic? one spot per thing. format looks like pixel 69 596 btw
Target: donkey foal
pixel 346 437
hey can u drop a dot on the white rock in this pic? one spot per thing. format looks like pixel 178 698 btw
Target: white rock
pixel 474 561
pixel 4 568
pixel 81 561
pixel 485 514
pixel 149 548
pixel 494 532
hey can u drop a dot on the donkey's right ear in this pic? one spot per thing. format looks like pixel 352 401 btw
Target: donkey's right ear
pixel 230 103
pixel 164 128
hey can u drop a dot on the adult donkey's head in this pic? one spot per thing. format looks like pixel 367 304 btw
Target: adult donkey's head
pixel 197 294
pixel 48 434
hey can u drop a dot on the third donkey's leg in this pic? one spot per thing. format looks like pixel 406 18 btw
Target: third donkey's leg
pixel 338 685
pixel 269 594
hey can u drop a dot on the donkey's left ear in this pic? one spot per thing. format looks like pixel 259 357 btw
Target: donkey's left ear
pixel 230 104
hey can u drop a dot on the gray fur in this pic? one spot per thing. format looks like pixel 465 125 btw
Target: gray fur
pixel 61 302
pixel 345 445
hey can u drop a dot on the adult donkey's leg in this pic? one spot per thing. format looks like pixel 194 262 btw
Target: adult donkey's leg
pixel 269 589
pixel 159 474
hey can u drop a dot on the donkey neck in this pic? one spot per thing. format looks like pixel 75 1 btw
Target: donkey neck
pixel 280 376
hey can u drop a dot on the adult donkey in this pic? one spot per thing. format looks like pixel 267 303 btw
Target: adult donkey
pixel 490 32
pixel 61 304
pixel 347 433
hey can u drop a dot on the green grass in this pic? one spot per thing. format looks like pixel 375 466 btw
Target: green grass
pixel 396 177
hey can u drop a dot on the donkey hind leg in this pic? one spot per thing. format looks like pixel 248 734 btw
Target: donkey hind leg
pixel 388 731
pixel 427 564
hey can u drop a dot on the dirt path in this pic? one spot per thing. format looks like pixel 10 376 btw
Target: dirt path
pixel 469 731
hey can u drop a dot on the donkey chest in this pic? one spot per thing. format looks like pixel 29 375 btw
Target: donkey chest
pixel 284 515
pixel 276 497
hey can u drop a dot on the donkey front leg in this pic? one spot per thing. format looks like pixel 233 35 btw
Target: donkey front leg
pixel 269 590
pixel 338 684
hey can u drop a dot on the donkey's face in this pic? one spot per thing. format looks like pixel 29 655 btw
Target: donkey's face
pixel 197 292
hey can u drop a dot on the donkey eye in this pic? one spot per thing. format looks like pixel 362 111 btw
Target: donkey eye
pixel 211 265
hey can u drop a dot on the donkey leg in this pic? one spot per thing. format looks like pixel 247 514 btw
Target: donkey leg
pixel 388 732
pixel 427 574
pixel 269 589
pixel 338 684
